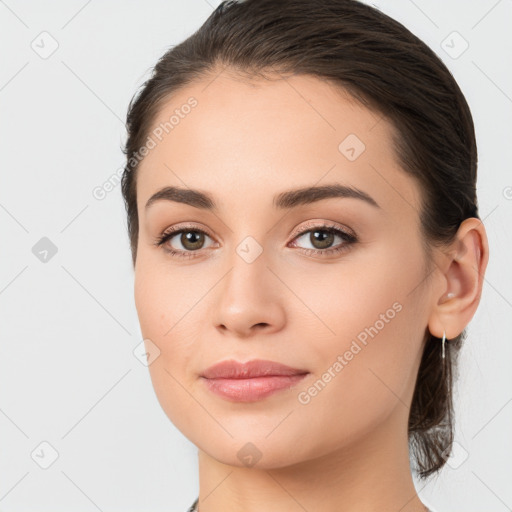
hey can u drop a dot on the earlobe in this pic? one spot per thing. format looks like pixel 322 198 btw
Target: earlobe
pixel 464 274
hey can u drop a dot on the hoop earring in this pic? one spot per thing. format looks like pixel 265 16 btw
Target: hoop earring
pixel 442 343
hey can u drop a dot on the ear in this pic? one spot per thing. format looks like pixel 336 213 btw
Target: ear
pixel 463 272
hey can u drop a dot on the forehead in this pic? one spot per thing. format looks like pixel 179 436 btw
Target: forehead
pixel 236 137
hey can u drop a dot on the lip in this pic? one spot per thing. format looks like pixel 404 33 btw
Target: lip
pixel 231 369
pixel 250 381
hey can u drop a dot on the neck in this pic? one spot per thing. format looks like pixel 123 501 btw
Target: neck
pixel 370 474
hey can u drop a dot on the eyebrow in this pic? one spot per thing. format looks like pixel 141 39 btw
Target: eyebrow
pixel 284 200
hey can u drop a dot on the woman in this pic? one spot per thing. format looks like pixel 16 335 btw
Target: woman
pixel 300 189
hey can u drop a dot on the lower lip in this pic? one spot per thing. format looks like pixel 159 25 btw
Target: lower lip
pixel 250 390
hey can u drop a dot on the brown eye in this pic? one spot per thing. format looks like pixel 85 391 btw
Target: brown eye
pixel 192 240
pixel 323 238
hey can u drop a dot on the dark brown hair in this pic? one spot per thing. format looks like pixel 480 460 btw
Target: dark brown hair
pixel 384 67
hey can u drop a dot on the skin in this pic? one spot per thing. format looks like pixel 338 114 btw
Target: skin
pixel 243 143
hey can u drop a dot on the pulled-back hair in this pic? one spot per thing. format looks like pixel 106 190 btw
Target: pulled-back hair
pixel 385 68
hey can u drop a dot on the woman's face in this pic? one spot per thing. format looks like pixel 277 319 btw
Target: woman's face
pixel 266 281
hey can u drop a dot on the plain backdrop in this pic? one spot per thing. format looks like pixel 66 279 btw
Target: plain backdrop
pixel 80 426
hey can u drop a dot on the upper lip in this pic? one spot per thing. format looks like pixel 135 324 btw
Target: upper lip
pixel 231 369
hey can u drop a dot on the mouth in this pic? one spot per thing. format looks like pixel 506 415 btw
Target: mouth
pixel 251 381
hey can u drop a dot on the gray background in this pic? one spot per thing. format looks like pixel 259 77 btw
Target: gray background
pixel 68 373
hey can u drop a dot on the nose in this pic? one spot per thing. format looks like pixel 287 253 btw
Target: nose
pixel 249 299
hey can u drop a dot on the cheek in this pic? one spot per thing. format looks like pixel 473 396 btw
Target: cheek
pixel 362 295
pixel 162 312
pixel 163 319
pixel 361 383
pixel 366 367
pixel 162 299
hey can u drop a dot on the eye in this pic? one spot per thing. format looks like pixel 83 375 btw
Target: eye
pixel 322 237
pixel 191 239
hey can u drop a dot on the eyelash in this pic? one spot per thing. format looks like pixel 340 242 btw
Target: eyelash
pixel 348 238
